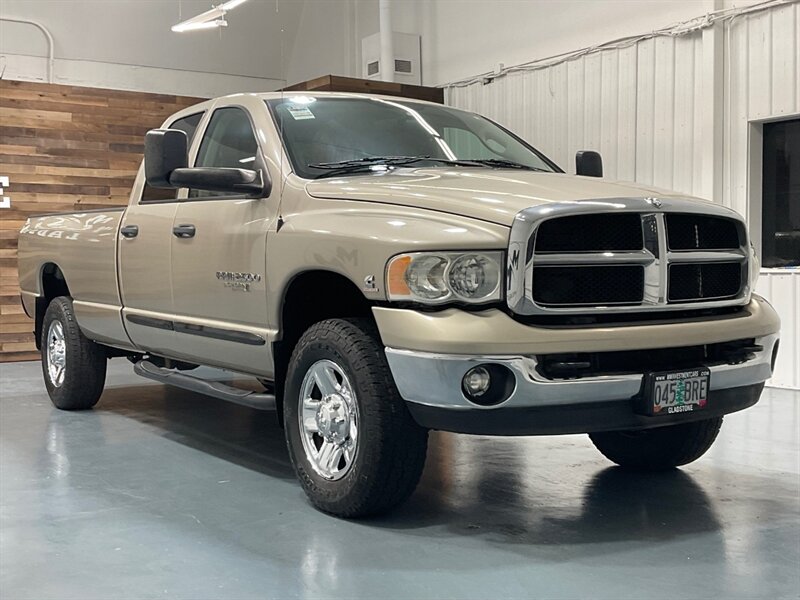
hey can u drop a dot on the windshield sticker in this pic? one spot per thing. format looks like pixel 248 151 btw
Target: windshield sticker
pixel 300 112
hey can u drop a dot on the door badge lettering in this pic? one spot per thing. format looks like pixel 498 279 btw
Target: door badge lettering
pixel 238 281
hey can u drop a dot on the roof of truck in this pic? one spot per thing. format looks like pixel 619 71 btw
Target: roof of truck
pixel 312 93
pixel 278 95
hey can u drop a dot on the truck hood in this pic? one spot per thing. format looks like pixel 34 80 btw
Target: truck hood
pixel 486 194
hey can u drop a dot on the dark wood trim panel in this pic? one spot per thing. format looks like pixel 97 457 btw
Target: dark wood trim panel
pixel 64 148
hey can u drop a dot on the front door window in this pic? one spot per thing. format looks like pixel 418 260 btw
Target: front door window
pixel 229 141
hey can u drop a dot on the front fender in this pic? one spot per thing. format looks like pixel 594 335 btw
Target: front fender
pixel 356 239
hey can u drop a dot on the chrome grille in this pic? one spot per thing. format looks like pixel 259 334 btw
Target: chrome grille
pixel 590 233
pixel 629 254
pixel 577 286
pixel 701 232
pixel 705 281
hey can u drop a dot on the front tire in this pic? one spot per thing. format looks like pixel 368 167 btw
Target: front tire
pixel 658 449
pixel 74 367
pixel 353 444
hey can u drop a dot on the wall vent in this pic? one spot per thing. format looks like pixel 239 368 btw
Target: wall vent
pixel 407 63
pixel 402 66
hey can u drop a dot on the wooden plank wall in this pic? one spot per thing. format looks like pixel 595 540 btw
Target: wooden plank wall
pixel 64 148
pixel 337 83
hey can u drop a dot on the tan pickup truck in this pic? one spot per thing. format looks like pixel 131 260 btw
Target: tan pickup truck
pixel 384 267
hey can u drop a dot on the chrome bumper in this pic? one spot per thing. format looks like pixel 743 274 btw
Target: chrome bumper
pixel 434 380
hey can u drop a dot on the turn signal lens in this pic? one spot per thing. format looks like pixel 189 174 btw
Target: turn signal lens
pixel 396 276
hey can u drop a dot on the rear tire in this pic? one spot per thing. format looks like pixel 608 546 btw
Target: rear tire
pixel 353 444
pixel 74 367
pixel 660 448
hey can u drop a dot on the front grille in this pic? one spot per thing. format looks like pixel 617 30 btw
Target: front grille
pixel 633 254
pixel 701 232
pixel 704 281
pixel 590 233
pixel 571 286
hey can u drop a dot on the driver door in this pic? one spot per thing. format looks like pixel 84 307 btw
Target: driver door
pixel 219 256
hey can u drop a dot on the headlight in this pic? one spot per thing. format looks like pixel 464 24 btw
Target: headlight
pixel 439 277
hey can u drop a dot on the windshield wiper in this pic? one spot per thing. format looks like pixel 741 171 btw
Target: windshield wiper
pixel 363 165
pixel 502 162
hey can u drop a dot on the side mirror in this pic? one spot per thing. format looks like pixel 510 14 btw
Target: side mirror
pixel 166 166
pixel 164 151
pixel 589 163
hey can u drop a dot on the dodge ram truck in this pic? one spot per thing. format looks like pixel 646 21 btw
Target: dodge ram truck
pixel 384 267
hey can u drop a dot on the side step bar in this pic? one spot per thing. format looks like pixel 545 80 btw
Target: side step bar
pixel 202 386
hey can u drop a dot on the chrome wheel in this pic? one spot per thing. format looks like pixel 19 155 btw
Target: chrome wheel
pixel 56 353
pixel 328 419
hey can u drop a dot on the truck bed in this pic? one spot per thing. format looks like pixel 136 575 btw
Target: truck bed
pixel 83 246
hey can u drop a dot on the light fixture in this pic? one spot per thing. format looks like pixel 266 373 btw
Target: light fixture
pixel 201 25
pixel 214 17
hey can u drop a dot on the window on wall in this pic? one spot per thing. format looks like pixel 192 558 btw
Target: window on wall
pixel 780 234
pixel 188 125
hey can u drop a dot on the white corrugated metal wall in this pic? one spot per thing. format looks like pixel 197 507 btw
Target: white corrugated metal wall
pixel 676 112
pixel 762 83
pixel 637 106
pixel 782 289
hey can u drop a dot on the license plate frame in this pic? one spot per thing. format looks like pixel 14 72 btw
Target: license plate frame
pixel 665 392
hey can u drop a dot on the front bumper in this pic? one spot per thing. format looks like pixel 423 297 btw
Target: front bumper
pixel 587 417
pixel 430 381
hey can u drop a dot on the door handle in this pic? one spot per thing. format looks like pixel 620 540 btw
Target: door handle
pixel 184 231
pixel 129 231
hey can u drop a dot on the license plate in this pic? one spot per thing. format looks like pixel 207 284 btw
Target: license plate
pixel 675 392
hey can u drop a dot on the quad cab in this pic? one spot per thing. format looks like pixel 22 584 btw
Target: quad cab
pixel 386 267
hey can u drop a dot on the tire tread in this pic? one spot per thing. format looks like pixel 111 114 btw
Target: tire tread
pixel 397 461
pixel 85 374
pixel 661 448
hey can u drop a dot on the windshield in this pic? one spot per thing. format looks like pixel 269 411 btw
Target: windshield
pixel 318 132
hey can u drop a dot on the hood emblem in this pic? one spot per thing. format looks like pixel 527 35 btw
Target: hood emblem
pixel 655 202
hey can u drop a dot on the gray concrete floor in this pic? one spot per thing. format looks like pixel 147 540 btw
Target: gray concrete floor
pixel 160 493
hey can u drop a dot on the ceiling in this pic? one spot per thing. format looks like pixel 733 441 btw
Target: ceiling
pixel 257 43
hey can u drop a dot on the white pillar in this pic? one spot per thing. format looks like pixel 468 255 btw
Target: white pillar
pixel 386 64
pixel 712 111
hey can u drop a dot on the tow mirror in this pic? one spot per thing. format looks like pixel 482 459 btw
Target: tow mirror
pixel 165 166
pixel 230 180
pixel 164 151
pixel 589 163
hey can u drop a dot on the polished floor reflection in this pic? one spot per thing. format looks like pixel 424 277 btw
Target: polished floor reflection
pixel 160 493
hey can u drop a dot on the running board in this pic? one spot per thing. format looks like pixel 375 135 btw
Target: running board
pixel 202 386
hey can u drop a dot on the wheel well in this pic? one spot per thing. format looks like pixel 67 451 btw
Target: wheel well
pixel 311 297
pixel 53 285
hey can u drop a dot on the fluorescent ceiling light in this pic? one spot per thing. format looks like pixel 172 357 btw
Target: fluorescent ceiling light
pixel 203 25
pixel 214 17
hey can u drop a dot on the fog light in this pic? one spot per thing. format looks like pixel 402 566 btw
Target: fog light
pixel 476 382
